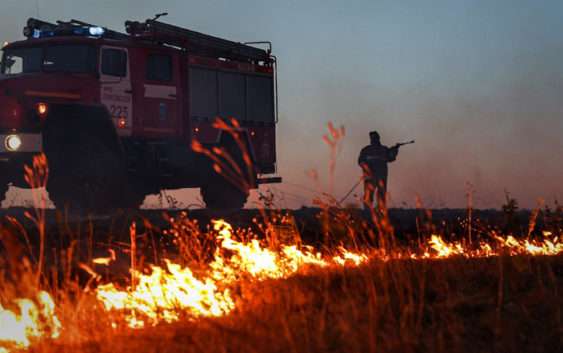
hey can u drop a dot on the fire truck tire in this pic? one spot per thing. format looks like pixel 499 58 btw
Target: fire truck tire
pixel 219 193
pixel 222 195
pixel 87 178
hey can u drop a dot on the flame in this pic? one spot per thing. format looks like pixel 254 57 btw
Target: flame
pixel 105 261
pixel 550 247
pixel 167 294
pixel 30 322
pixel 251 259
pixel 438 248
pixel 350 257
pixel 164 295
pixel 444 249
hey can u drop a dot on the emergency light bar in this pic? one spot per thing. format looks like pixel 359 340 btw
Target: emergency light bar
pixel 74 31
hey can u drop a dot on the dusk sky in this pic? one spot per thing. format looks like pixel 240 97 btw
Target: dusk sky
pixel 478 84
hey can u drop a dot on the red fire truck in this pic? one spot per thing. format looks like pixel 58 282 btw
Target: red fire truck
pixel 117 113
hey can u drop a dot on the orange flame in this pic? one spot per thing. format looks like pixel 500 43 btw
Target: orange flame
pixel 347 257
pixel 438 248
pixel 19 329
pixel 105 261
pixel 165 295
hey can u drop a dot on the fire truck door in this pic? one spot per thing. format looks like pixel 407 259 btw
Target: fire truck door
pixel 161 95
pixel 116 94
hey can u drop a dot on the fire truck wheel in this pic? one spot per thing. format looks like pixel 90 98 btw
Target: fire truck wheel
pixel 86 178
pixel 222 195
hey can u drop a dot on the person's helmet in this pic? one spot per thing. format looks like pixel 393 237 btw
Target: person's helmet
pixel 374 137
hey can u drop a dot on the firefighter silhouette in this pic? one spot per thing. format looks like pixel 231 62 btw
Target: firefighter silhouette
pixel 373 159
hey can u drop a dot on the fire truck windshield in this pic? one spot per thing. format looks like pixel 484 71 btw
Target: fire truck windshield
pixel 54 58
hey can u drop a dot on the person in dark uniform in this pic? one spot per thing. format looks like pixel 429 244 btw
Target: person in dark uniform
pixel 373 159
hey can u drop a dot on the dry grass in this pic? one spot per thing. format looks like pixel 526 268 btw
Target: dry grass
pixel 505 304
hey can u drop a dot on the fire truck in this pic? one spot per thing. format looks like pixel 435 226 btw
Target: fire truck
pixel 117 113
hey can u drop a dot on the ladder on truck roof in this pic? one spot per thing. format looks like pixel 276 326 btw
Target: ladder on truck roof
pixel 196 42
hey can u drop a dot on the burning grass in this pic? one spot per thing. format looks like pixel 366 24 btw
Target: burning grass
pixel 230 289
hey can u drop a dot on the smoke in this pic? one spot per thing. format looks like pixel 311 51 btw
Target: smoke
pixel 494 136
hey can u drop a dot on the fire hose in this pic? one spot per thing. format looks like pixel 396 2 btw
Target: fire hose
pixel 351 190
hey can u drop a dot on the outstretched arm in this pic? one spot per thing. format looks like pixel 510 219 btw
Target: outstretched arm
pixel 392 153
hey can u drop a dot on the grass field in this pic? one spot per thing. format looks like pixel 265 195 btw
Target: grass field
pixel 455 305
pixel 390 291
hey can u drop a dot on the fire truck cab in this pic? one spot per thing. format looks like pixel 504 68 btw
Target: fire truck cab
pixel 123 115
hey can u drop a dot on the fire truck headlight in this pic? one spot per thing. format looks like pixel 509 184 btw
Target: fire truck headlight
pixel 96 31
pixel 13 143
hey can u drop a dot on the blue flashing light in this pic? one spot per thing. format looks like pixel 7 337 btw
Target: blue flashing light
pixel 37 33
